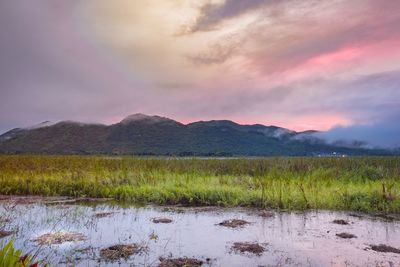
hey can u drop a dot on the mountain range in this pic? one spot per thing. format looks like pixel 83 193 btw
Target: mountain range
pixel 140 134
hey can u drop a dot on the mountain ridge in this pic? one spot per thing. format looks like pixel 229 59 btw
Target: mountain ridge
pixel 140 134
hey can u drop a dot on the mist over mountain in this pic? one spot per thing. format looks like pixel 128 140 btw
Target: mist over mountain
pixel 140 134
pixel 381 135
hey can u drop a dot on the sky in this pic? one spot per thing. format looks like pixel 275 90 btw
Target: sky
pixel 329 65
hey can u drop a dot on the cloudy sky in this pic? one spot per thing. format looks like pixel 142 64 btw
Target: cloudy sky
pixel 301 64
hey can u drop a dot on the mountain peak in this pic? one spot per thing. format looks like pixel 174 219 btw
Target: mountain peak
pixel 143 117
pixel 40 125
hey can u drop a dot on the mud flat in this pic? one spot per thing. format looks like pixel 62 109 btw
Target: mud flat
pixel 105 234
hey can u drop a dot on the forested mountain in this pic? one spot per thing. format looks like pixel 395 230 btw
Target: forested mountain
pixel 140 134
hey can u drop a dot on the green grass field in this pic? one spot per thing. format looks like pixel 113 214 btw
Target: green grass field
pixel 359 184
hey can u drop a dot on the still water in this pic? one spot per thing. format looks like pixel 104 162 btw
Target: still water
pixel 289 238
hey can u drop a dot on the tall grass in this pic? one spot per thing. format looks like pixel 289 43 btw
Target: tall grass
pixel 369 184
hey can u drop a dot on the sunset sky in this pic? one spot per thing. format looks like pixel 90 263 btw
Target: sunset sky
pixel 300 64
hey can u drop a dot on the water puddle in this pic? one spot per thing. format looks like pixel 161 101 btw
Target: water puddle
pixel 104 234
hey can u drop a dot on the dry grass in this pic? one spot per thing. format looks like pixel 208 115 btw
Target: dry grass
pixel 248 247
pixel 59 238
pixel 234 223
pixel 117 252
pixel 180 262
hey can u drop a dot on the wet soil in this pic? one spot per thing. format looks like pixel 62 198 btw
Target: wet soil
pixel 234 223
pixel 5 233
pixel 58 238
pixel 385 248
pixel 120 251
pixel 341 222
pixel 180 262
pixel 248 247
pixel 161 220
pixel 346 235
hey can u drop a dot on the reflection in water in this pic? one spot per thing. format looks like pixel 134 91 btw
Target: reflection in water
pixel 290 238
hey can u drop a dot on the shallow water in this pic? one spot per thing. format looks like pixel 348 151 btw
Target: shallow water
pixel 290 238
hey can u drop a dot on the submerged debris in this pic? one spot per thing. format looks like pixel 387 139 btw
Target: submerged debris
pixel 70 200
pixel 234 223
pixel 180 262
pixel 205 209
pixel 346 235
pixel 180 209
pixel 385 248
pixel 103 214
pixel 117 252
pixel 249 247
pixel 94 199
pixel 62 206
pixel 59 238
pixel 387 217
pixel 4 220
pixel 161 220
pixel 266 214
pixel 5 233
pixel 26 200
pixel 356 215
pixel 173 209
pixel 342 222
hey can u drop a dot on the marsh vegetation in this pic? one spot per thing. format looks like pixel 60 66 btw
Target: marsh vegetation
pixel 360 184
